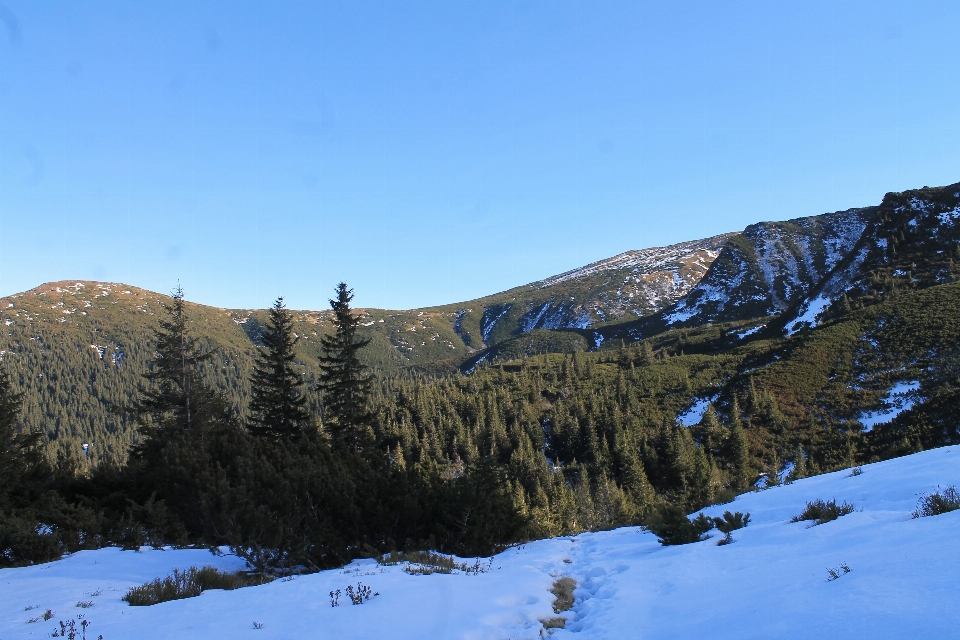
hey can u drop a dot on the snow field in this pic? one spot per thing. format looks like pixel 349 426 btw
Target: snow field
pixel 772 582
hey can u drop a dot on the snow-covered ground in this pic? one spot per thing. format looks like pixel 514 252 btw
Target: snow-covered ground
pixel 770 583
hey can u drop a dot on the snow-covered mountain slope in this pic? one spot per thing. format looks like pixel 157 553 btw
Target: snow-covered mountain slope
pixel 912 241
pixel 641 281
pixel 797 269
pixel 769 267
pixel 771 582
pixel 632 284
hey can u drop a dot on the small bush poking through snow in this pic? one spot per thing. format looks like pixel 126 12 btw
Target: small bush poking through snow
pixel 562 591
pixel 855 472
pixel 69 630
pixel 833 574
pixel 934 504
pixel 821 512
pixel 257 625
pixel 671 526
pixel 46 615
pixel 357 596
pixel 186 584
pixel 729 523
pixel 85 604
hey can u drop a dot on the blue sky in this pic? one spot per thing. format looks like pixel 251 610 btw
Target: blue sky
pixel 435 152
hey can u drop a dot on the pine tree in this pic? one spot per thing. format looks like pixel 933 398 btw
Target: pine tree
pixel 738 451
pixel 773 471
pixel 623 358
pixel 646 358
pixel 20 453
pixel 176 389
pixel 344 381
pixel 276 402
pixel 799 465
pixel 189 433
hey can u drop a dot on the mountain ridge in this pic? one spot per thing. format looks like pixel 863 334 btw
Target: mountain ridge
pixel 81 347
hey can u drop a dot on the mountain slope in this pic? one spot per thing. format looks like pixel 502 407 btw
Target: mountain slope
pixel 79 348
pixel 632 284
pixel 912 242
pixel 797 269
pixel 764 270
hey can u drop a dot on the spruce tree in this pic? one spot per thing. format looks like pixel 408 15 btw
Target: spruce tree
pixel 276 401
pixel 646 357
pixel 176 390
pixel 20 453
pixel 738 451
pixel 799 465
pixel 344 381
pixel 189 435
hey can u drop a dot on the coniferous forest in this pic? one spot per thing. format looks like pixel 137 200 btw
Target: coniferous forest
pixel 308 451
pixel 537 447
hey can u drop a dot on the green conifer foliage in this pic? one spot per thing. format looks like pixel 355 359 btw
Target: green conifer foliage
pixel 799 465
pixel 176 389
pixel 738 451
pixel 276 399
pixel 20 454
pixel 344 380
pixel 189 434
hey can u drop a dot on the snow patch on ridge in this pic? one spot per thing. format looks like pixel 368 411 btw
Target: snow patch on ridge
pixel 694 414
pixel 809 313
pixel 900 398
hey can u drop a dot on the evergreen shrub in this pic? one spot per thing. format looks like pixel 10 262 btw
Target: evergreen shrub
pixel 821 512
pixel 187 584
pixel 938 502
pixel 729 523
pixel 671 526
pixel 424 563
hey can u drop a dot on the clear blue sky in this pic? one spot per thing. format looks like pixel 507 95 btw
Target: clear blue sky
pixel 434 152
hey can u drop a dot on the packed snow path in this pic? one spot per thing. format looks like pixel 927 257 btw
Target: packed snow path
pixel 771 583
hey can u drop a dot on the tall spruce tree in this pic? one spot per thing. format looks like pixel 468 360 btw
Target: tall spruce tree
pixel 738 451
pixel 344 381
pixel 277 402
pixel 20 453
pixel 190 437
pixel 176 391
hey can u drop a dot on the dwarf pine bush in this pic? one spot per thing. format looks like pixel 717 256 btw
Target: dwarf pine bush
pixel 729 523
pixel 187 584
pixel 821 512
pixel 671 526
pixel 938 502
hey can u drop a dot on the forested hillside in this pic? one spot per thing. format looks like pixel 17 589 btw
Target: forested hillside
pixel 638 422
pixel 78 349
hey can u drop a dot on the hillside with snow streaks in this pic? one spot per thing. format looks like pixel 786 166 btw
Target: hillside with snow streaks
pixel 640 281
pixel 769 267
pixel 771 582
pixel 913 239
pixel 629 285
